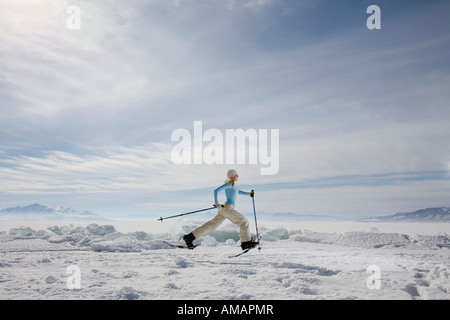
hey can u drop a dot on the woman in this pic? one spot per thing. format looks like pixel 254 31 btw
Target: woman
pixel 226 211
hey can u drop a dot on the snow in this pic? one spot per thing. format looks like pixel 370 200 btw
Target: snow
pixel 128 260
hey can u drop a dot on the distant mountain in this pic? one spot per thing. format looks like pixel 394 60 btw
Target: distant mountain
pixel 290 216
pixel 43 212
pixel 429 214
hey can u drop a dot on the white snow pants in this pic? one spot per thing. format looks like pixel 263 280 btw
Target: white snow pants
pixel 227 212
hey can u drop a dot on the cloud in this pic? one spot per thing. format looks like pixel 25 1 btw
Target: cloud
pixel 51 69
pixel 354 201
pixel 91 111
pixel 107 170
pixel 395 148
pixel 121 170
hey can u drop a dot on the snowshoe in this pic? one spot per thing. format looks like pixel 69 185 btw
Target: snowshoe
pixel 249 244
pixel 189 238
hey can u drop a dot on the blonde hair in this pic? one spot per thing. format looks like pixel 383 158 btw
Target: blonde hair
pixel 230 180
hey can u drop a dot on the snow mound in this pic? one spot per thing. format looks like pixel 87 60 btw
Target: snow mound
pixel 310 269
pixel 209 241
pixel 293 264
pixel 120 244
pixel 374 239
pixel 105 238
pixel 100 238
pixel 127 293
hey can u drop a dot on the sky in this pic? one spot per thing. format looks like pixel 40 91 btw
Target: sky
pixel 88 110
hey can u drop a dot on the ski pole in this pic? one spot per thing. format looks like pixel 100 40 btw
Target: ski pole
pixel 256 222
pixel 183 214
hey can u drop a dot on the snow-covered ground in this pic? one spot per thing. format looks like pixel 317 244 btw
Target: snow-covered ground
pixel 301 260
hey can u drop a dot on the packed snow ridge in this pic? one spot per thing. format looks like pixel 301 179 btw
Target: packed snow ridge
pixel 36 263
pixel 105 238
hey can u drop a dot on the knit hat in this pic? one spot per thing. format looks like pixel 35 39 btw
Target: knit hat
pixel 231 173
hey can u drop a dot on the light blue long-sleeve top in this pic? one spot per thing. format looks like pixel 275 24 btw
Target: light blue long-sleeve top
pixel 230 191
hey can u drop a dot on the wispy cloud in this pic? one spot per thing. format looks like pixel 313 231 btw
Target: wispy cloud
pixel 91 111
pixel 121 170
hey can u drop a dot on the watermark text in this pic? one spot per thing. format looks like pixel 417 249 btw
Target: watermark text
pixel 234 146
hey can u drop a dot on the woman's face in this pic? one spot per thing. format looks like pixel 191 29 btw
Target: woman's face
pixel 236 177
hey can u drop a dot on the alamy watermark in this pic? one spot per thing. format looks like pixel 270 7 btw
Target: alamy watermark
pixel 374 280
pixel 74 280
pixel 374 21
pixel 73 21
pixel 234 146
